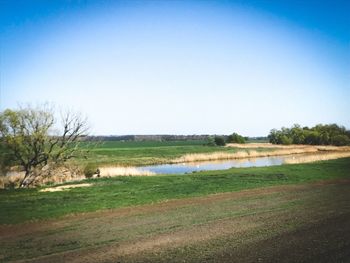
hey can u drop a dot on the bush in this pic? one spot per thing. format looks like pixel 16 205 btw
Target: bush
pixel 10 185
pixel 286 140
pixel 219 141
pixel 211 141
pixel 235 138
pixel 312 137
pixel 341 140
pixel 90 169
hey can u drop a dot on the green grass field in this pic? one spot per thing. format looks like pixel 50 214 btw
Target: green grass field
pixel 21 205
pixel 148 152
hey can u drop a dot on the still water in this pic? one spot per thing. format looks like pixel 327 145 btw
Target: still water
pixel 213 165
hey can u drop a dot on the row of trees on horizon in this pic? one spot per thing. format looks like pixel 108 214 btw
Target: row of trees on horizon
pixel 328 134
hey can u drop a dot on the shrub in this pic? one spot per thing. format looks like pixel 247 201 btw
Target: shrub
pixel 10 185
pixel 341 140
pixel 219 141
pixel 286 140
pixel 235 138
pixel 211 141
pixel 90 169
pixel 312 137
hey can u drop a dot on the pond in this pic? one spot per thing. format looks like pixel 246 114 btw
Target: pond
pixel 181 168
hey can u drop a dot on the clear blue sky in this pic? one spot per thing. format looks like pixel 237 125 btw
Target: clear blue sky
pixel 180 67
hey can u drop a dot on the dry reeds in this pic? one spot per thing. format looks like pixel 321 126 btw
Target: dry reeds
pixel 238 155
pixel 263 145
pixel 59 175
pixel 12 180
pixel 333 148
pixel 282 150
pixel 315 157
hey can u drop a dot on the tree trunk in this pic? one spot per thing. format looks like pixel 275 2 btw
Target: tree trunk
pixel 26 180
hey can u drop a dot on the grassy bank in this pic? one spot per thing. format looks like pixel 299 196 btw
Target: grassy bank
pixel 29 204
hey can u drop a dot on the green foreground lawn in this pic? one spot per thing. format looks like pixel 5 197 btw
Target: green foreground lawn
pixel 21 205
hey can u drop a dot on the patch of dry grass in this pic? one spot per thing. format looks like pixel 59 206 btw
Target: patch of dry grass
pixel 315 157
pixel 342 151
pixel 64 187
pixel 59 175
pixel 62 175
pixel 241 154
pixel 263 145
pixel 13 179
pixel 123 171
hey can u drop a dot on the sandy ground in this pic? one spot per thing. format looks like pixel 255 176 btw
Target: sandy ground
pixel 110 171
pixel 304 223
pixel 64 187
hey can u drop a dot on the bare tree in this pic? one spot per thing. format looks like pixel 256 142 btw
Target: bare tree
pixel 32 136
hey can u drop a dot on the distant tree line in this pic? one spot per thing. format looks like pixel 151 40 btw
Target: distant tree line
pixel 212 140
pixel 233 138
pixel 155 137
pixel 329 134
